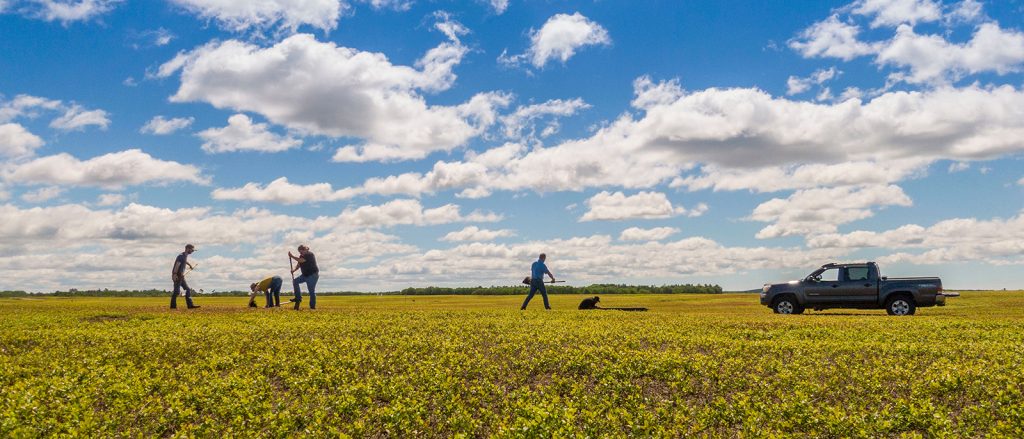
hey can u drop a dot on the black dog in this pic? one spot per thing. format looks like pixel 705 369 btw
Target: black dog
pixel 591 303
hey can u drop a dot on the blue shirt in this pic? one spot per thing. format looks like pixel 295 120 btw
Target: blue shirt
pixel 538 270
pixel 181 260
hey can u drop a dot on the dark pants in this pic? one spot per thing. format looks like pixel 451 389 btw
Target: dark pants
pixel 537 285
pixel 310 282
pixel 178 285
pixel 275 291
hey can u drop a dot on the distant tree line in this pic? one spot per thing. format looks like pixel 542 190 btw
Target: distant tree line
pixel 559 289
pixel 596 289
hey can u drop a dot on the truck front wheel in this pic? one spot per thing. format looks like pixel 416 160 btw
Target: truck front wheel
pixel 900 306
pixel 787 305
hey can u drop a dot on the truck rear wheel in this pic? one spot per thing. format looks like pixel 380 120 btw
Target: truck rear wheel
pixel 787 305
pixel 900 306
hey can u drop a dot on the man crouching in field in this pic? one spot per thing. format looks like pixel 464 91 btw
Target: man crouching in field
pixel 269 286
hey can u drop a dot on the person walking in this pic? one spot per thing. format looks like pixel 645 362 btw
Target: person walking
pixel 310 274
pixel 270 287
pixel 178 277
pixel 537 272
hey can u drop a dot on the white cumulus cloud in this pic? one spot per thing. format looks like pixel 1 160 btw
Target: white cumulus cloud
pixel 110 200
pixel 64 11
pixel 283 192
pixel 242 134
pixel 476 234
pixel 796 85
pixel 162 126
pixel 820 211
pixel 130 167
pixel 932 58
pixel 16 141
pixel 76 118
pixel 896 12
pixel 42 194
pixel 644 205
pixel 263 14
pixel 338 91
pixel 831 38
pixel 645 235
pixel 559 39
pixel 996 241
pixel 409 212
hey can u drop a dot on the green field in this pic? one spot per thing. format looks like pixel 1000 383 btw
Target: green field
pixel 714 365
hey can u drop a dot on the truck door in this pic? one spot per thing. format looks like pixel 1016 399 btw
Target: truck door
pixel 858 284
pixel 825 289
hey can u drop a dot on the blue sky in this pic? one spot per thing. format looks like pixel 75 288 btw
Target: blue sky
pixel 415 143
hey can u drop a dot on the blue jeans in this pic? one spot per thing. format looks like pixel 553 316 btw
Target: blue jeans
pixel 535 285
pixel 177 290
pixel 275 290
pixel 310 282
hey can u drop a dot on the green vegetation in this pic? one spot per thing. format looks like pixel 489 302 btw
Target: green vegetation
pixel 442 366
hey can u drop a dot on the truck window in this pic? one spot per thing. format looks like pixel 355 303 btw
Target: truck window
pixel 857 273
pixel 830 275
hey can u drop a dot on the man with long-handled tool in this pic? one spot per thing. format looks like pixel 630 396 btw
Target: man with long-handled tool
pixel 178 277
pixel 537 272
pixel 310 274
pixel 271 289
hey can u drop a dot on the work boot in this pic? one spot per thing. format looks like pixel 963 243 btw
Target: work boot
pixel 193 307
pixel 297 302
pixel 252 304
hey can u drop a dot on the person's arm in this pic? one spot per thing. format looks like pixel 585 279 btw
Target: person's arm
pixel 549 274
pixel 174 271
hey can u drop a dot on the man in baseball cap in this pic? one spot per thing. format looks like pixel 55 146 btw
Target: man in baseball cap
pixel 178 277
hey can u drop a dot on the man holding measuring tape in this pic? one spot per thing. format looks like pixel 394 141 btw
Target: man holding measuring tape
pixel 178 277
pixel 537 272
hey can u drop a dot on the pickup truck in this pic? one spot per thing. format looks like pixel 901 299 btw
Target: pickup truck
pixel 854 286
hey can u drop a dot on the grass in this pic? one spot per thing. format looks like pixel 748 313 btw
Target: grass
pixel 442 366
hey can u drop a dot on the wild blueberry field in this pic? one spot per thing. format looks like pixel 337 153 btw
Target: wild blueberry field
pixel 443 366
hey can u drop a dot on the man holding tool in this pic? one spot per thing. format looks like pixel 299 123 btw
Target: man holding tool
pixel 178 277
pixel 537 272
pixel 270 287
pixel 306 262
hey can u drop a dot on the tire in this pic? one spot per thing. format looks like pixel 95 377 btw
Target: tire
pixel 787 305
pixel 901 305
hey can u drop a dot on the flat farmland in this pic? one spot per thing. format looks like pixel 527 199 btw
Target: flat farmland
pixel 476 366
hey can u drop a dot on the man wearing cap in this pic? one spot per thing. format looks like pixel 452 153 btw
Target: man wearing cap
pixel 310 275
pixel 537 272
pixel 268 286
pixel 178 277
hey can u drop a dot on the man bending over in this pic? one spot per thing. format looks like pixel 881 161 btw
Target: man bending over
pixel 270 287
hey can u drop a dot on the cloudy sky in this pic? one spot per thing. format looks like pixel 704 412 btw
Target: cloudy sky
pixel 436 142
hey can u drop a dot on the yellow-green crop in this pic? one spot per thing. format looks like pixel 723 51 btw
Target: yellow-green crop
pixel 718 365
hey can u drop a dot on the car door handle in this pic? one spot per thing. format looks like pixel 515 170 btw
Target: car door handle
pixel 867 285
pixel 835 286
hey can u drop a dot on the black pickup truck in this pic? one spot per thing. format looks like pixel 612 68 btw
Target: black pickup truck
pixel 854 286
